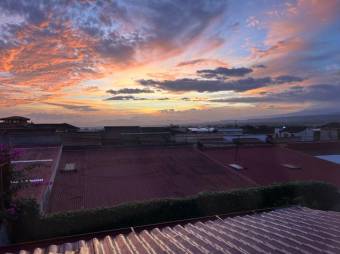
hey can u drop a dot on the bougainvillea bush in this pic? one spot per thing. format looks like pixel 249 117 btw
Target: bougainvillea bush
pixel 8 175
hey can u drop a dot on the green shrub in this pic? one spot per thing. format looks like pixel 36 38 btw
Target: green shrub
pixel 311 194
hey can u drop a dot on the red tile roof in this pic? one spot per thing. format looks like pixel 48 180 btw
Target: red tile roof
pixel 288 230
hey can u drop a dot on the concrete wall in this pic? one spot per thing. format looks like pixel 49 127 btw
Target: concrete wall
pixel 46 196
pixel 194 138
pixel 34 140
pixel 30 139
pixel 329 134
pixel 81 139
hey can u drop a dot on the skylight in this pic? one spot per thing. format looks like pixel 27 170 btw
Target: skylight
pixel 236 166
pixel 291 166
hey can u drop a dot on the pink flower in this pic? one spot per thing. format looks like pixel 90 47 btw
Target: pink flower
pixel 11 211
pixel 16 153
pixel 2 147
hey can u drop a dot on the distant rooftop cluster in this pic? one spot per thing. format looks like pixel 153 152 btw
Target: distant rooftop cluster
pixel 115 163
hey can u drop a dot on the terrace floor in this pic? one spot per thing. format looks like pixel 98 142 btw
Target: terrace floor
pixel 38 163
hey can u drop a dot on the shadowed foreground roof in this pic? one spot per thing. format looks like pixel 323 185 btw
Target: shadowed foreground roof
pixel 287 230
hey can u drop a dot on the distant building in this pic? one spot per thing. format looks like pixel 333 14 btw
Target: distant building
pixel 57 127
pixel 247 138
pixel 324 133
pixel 309 134
pixel 230 131
pixel 288 132
pixel 135 135
pixel 14 121
pixel 330 131
pixel 202 130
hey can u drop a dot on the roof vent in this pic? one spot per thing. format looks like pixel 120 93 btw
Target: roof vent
pixel 70 167
pixel 291 166
pixel 236 166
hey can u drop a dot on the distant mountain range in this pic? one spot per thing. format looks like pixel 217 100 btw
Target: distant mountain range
pixel 297 118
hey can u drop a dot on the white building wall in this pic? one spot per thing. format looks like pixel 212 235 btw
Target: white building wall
pixel 329 134
pixel 306 135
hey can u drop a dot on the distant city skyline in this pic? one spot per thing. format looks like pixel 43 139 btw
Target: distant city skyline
pixel 148 62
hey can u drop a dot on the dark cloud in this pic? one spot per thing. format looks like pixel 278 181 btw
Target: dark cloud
pixel 288 79
pixel 199 85
pixel 297 88
pixel 133 98
pixel 200 61
pixel 117 49
pixel 83 108
pixel 192 62
pixel 62 43
pixel 186 85
pixel 192 99
pixel 315 93
pixel 124 98
pixel 223 73
pixel 176 23
pixel 130 91
pixel 34 11
pixel 262 66
pixel 117 29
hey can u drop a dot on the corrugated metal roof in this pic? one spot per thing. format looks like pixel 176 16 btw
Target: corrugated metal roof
pixel 110 176
pixel 264 164
pixel 287 230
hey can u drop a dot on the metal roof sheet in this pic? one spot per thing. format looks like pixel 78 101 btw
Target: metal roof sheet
pixel 110 176
pixel 286 230
pixel 264 164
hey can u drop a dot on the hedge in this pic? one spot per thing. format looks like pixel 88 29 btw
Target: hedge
pixel 31 226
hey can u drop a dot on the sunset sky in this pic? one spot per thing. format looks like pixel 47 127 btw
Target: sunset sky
pixel 156 62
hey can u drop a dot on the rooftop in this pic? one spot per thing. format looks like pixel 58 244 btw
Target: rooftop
pixel 15 118
pixel 285 230
pixel 110 176
pixel 293 129
pixel 335 125
pixel 54 126
pixel 316 148
pixel 42 162
pixel 264 164
pixel 105 177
